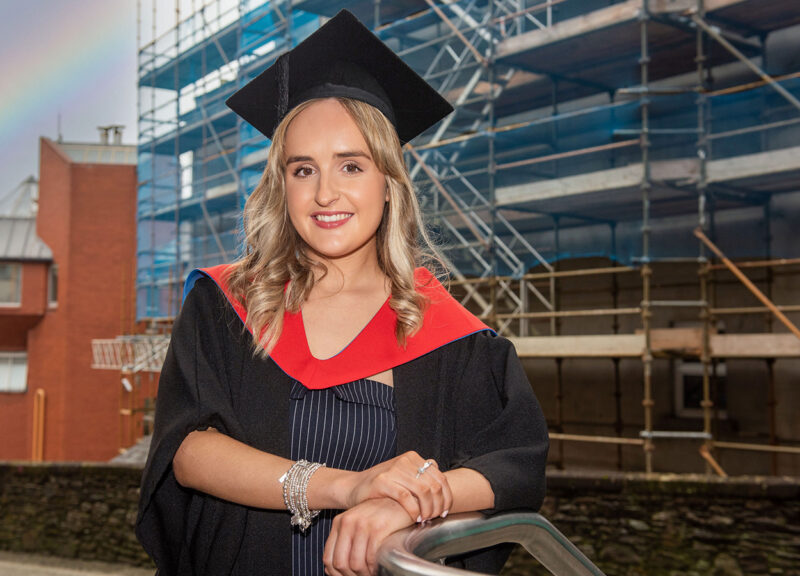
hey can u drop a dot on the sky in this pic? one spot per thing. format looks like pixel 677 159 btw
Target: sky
pixel 73 58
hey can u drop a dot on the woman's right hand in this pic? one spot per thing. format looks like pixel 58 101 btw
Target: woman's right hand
pixel 424 496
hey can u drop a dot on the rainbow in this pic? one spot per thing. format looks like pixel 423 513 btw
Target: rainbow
pixel 76 47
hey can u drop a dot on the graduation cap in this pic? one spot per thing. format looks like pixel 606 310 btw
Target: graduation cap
pixel 341 59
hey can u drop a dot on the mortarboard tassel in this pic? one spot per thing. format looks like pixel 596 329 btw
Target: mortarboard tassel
pixel 283 85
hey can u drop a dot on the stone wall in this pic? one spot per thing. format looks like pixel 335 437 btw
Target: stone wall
pixel 82 511
pixel 626 523
pixel 675 525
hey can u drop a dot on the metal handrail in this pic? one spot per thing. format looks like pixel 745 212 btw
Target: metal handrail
pixel 417 551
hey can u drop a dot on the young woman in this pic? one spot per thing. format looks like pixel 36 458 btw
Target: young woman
pixel 323 391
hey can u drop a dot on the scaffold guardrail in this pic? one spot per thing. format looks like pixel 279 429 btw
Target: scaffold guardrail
pixel 139 353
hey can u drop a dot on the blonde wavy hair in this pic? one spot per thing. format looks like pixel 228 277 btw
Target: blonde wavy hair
pixel 276 274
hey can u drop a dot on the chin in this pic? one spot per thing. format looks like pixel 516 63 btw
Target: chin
pixel 333 253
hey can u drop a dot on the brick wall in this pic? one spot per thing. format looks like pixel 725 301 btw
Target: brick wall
pixel 588 401
pixel 99 298
pixel 87 216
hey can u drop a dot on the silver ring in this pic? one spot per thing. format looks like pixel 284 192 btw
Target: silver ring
pixel 421 469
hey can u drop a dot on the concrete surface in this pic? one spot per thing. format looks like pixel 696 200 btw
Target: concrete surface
pixel 12 564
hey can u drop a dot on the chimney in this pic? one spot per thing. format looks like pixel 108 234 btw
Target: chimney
pixel 104 134
pixel 106 131
pixel 118 128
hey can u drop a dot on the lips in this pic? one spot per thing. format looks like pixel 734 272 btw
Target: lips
pixel 331 219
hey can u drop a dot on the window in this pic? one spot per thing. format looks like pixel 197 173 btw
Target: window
pixel 10 283
pixel 13 371
pixel 689 389
pixel 52 286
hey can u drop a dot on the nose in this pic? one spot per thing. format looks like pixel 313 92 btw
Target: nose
pixel 327 193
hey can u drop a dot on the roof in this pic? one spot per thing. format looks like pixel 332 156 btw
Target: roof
pixel 136 454
pixel 18 240
pixel 22 200
pixel 98 153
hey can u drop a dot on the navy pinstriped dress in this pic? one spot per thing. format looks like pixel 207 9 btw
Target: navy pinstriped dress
pixel 351 427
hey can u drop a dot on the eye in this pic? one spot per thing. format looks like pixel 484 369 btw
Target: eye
pixel 303 171
pixel 352 168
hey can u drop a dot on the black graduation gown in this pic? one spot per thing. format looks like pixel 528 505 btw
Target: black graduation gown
pixel 466 404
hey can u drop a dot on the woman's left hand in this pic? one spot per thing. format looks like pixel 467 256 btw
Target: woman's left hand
pixel 357 533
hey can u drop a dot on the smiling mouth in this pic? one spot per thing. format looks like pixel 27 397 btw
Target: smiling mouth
pixel 331 217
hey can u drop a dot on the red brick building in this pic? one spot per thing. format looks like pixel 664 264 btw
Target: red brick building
pixel 74 283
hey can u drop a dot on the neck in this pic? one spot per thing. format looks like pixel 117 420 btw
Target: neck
pixel 357 272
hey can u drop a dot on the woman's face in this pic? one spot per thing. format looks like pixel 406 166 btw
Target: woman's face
pixel 334 191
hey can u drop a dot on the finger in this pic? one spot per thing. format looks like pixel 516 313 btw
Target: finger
pixel 420 487
pixel 437 489
pixel 437 485
pixel 344 542
pixel 446 492
pixel 435 496
pixel 448 497
pixel 442 492
pixel 406 499
pixel 358 553
pixel 406 484
pixel 372 554
pixel 330 546
pixel 424 497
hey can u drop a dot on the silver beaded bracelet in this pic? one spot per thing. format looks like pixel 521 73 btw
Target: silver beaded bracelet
pixel 295 488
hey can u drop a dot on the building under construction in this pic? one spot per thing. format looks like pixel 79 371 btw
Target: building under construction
pixel 618 190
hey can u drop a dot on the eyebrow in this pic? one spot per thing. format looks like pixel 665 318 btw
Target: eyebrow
pixel 345 154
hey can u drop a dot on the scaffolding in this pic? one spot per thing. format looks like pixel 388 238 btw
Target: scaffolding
pixel 138 359
pixel 608 129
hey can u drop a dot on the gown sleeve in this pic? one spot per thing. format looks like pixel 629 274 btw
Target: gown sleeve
pixel 470 405
pixel 181 529
pixel 500 430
